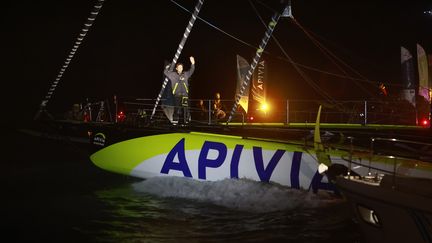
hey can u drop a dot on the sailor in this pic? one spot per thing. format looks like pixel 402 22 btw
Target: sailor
pixel 180 89
pixel 202 111
pixel 218 107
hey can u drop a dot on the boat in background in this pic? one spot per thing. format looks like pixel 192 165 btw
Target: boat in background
pixel 393 207
pixel 390 209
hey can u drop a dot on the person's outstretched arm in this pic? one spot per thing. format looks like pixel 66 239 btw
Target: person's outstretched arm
pixel 192 68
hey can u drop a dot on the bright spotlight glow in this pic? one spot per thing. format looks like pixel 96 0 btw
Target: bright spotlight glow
pixel 264 107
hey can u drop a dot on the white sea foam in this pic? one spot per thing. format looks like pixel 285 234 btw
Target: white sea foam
pixel 241 194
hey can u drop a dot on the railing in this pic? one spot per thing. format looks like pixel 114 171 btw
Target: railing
pixel 280 111
pixel 390 148
pixel 401 148
pixel 204 113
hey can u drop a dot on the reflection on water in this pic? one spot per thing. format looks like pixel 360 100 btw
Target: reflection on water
pixel 156 210
pixel 243 195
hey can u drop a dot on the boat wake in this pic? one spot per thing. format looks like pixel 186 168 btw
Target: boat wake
pixel 238 194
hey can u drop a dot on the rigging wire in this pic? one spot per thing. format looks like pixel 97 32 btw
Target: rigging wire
pixel 304 76
pixel 362 79
pixel 365 79
pixel 330 55
pixel 268 53
pixel 215 27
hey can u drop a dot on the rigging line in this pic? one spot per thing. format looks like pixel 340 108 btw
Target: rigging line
pixel 307 32
pixel 321 48
pixel 317 44
pixel 266 52
pixel 286 54
pixel 308 80
pixel 327 52
pixel 336 45
pixel 215 27
pixel 89 22
pixel 330 73
pixel 364 79
pixel 312 34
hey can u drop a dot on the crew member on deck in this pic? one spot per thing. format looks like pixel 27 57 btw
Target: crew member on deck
pixel 202 111
pixel 218 107
pixel 180 89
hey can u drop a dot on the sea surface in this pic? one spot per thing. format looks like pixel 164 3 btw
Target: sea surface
pixel 52 192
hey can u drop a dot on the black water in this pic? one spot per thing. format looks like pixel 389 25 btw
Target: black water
pixel 52 192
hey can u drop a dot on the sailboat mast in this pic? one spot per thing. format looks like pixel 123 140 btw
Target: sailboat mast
pixel 179 50
pixel 97 7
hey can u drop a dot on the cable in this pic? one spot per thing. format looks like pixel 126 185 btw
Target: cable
pixel 215 27
pixel 268 53
pixel 329 55
pixel 363 79
pixel 304 76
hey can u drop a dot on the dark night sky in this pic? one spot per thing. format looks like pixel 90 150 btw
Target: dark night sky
pixel 125 50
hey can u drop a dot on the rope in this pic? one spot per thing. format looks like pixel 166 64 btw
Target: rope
pixel 304 76
pixel 331 55
pixel 268 53
pixel 362 79
pixel 97 7
pixel 179 50
pixel 215 27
